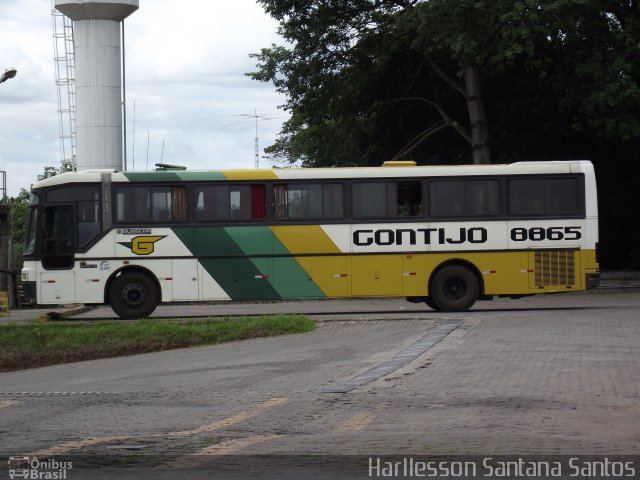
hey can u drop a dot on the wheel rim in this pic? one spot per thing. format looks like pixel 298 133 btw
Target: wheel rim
pixel 455 288
pixel 133 294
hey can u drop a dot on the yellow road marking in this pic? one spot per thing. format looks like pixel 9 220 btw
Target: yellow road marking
pixel 67 447
pixel 232 446
pixel 8 403
pixel 226 422
pixel 357 423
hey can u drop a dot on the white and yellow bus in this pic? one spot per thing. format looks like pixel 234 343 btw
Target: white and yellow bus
pixel 443 235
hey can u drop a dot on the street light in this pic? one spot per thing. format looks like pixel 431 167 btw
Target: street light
pixel 8 73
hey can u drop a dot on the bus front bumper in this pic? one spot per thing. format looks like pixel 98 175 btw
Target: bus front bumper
pixel 28 293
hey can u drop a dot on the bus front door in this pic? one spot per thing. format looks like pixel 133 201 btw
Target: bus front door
pixel 58 246
pixel 58 238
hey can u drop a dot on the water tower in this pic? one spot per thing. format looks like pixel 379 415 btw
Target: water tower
pixel 96 25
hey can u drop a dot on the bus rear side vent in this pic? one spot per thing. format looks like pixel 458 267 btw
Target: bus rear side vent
pixel 555 268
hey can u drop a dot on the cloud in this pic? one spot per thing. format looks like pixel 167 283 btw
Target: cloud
pixel 185 66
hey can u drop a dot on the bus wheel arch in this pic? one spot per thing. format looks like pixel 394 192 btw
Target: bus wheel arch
pixel 454 286
pixel 133 292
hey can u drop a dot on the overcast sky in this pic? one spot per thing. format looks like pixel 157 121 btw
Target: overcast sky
pixel 186 61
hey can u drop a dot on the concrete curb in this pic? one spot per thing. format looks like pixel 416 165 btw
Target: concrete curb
pixel 65 314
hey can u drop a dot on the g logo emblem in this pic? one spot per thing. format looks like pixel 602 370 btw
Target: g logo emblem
pixel 143 245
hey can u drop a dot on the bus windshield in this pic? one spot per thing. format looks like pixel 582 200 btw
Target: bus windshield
pixel 31 227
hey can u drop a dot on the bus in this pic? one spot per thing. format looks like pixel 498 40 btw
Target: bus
pixel 443 235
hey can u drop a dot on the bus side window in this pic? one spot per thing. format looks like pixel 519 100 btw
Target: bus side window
pixel 387 199
pixel 464 198
pixel 229 202
pixel 147 203
pixel 561 196
pixel 178 204
pixel 258 202
pixel 409 199
pixel 544 196
pixel 370 199
pixel 308 200
pixel 88 217
pixel 526 196
pixel 168 204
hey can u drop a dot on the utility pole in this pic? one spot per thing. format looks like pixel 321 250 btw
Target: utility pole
pixel 255 114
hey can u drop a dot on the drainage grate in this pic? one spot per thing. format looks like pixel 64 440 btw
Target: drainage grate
pixel 400 360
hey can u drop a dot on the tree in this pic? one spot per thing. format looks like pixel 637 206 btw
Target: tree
pixel 369 80
pixel 332 99
pixel 338 47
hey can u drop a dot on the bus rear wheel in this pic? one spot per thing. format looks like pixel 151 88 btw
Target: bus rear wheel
pixel 133 295
pixel 455 288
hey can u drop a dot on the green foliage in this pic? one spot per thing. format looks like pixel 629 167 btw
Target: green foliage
pixel 53 171
pixel 366 79
pixel 27 346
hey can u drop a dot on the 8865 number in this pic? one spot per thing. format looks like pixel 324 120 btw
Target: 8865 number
pixel 538 234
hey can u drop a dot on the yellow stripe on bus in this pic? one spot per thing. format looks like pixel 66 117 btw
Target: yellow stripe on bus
pixel 299 239
pixel 330 273
pixel 250 175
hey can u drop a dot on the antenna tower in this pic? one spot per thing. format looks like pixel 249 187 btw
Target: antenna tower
pixel 63 55
pixel 255 114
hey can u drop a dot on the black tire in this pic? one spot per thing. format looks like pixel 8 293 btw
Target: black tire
pixel 454 289
pixel 430 304
pixel 133 295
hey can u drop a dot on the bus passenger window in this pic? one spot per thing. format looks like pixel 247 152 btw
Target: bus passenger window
pixel 464 198
pixel 301 201
pixel 544 196
pixel 409 203
pixel 526 196
pixel 145 204
pixel 370 199
pixel 229 202
pixel 561 196
pixel 387 199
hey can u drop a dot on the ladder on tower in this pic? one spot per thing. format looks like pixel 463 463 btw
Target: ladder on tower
pixel 65 85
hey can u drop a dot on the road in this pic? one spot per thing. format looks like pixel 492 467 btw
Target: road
pixel 546 375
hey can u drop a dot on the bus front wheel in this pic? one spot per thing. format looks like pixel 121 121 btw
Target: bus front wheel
pixel 133 295
pixel 455 288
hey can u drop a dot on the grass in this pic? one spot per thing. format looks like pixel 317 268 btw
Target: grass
pixel 29 346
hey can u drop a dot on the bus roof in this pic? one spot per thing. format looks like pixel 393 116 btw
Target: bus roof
pixel 518 168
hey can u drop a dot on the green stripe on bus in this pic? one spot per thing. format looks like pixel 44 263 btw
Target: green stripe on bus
pixel 200 176
pixel 152 176
pixel 240 277
pixel 253 240
pixel 208 241
pixel 287 276
pixel 292 281
pixel 252 272
pixel 177 176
